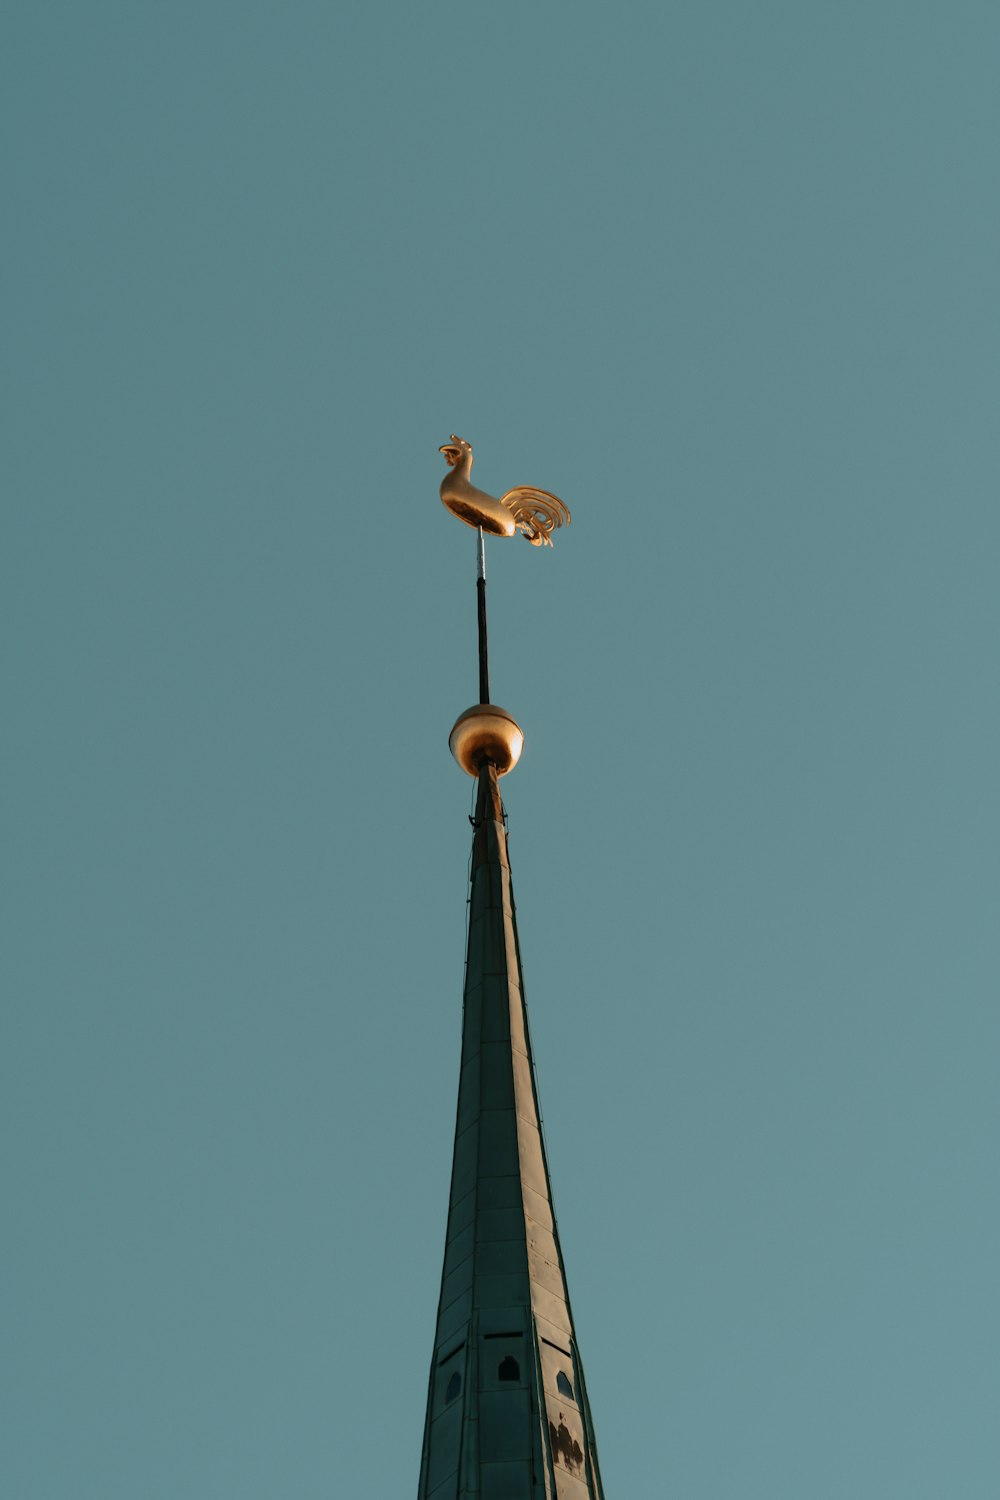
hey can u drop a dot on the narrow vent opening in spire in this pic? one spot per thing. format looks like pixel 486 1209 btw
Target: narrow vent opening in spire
pixel 454 1386
pixel 509 1369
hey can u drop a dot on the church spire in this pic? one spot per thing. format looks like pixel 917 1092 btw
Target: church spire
pixel 507 1410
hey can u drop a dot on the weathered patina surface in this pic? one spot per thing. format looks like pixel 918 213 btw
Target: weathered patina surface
pixel 507 1412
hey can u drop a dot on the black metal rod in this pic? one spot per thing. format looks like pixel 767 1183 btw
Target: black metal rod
pixel 484 663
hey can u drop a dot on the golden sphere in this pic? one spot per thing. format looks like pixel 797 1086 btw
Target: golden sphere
pixel 486 733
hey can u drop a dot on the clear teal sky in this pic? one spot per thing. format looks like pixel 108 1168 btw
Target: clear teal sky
pixel 725 277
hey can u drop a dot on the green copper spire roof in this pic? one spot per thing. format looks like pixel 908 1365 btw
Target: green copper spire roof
pixel 507 1411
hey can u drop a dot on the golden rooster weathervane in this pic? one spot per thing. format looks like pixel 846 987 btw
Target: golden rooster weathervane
pixel 486 734
pixel 534 513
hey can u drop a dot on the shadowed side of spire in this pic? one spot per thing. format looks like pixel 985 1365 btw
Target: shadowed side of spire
pixel 507 1414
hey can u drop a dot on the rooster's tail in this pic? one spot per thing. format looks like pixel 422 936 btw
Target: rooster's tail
pixel 536 513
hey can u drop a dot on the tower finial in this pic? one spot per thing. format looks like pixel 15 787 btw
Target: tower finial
pixel 486 734
pixel 507 1411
